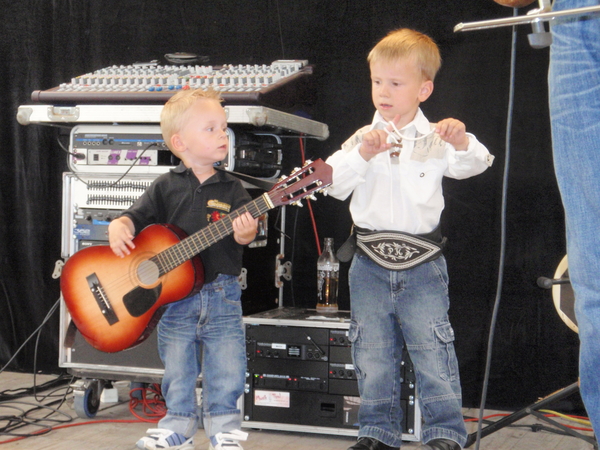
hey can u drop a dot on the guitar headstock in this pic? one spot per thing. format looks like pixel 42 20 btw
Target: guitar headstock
pixel 313 177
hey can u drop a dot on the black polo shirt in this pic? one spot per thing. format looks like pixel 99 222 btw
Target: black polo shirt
pixel 178 198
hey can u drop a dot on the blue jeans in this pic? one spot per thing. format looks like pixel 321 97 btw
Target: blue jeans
pixel 574 93
pixel 204 332
pixel 388 309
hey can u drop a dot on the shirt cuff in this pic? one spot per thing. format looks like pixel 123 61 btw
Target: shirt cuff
pixel 474 150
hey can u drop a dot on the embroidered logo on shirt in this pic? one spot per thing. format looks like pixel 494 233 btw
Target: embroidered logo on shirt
pixel 216 204
pixel 355 139
pixel 214 216
pixel 219 210
pixel 427 148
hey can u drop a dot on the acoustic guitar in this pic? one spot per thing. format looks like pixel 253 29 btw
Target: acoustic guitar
pixel 116 302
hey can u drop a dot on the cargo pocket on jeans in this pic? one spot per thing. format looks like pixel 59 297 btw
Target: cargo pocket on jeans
pixel 352 337
pixel 446 356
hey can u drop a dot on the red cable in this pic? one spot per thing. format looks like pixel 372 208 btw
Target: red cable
pixel 312 215
pixel 546 415
pixel 152 403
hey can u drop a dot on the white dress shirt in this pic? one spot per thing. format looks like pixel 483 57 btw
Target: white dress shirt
pixel 402 193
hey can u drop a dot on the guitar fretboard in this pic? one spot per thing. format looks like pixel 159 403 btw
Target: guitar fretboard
pixel 189 247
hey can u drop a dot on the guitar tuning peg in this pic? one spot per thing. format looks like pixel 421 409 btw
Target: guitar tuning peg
pixel 324 192
pixel 307 162
pixel 298 203
pixel 296 169
pixel 312 197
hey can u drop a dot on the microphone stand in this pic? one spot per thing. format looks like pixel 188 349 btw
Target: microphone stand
pixel 542 14
pixel 538 39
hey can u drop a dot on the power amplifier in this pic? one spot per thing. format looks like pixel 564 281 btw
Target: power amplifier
pixel 301 376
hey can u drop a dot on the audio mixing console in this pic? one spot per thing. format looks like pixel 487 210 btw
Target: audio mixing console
pixel 266 97
pixel 276 84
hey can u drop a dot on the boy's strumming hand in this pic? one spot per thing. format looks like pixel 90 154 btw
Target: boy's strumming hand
pixel 244 228
pixel 453 132
pixel 120 236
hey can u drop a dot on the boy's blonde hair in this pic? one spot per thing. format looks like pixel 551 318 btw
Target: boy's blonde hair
pixel 406 43
pixel 174 113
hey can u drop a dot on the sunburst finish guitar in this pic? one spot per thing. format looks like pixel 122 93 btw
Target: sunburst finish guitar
pixel 116 302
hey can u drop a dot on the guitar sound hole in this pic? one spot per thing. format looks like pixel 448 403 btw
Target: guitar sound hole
pixel 148 272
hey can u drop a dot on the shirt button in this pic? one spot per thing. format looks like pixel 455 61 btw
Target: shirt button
pixel 422 175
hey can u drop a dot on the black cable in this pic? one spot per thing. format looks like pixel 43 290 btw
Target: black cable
pixel 280 30
pixel 502 234
pixel 52 310
pixel 16 422
pixel 10 312
pixel 67 151
pixel 10 394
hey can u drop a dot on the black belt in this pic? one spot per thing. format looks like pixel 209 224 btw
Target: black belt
pixel 394 250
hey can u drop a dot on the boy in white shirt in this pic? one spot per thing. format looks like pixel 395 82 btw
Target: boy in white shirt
pixel 398 278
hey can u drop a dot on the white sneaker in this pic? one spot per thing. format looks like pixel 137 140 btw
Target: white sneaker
pixel 160 438
pixel 229 440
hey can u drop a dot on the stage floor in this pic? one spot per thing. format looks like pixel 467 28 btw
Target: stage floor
pixel 115 428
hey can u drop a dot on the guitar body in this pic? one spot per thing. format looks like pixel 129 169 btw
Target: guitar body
pixel 116 302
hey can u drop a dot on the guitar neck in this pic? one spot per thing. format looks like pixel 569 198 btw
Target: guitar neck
pixel 189 247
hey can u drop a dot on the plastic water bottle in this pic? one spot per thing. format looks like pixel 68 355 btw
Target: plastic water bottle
pixel 328 274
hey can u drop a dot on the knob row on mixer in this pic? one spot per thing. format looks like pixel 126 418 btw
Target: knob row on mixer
pixel 230 78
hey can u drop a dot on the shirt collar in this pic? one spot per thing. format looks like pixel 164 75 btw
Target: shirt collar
pixel 420 122
pixel 219 176
pixel 181 168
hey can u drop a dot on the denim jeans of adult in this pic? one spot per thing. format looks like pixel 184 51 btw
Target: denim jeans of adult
pixel 204 333
pixel 574 94
pixel 390 308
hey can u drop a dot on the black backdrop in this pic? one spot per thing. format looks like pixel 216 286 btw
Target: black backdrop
pixel 45 43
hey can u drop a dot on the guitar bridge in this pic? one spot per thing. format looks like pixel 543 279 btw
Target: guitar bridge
pixel 101 299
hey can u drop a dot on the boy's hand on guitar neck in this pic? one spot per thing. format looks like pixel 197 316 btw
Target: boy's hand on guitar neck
pixel 120 236
pixel 244 228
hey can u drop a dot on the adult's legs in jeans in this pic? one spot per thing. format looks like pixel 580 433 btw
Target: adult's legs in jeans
pixel 574 95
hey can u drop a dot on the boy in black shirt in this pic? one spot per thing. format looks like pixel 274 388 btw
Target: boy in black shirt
pixel 204 332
